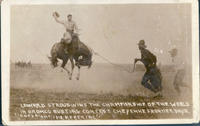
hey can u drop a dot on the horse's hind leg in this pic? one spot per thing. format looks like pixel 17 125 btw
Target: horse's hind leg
pixel 78 75
pixel 72 67
pixel 63 66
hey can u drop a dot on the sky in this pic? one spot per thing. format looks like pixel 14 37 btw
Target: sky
pixel 111 30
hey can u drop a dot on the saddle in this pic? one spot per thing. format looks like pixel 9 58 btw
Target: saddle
pixel 73 46
pixel 80 52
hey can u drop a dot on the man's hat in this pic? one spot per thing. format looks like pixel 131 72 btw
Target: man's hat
pixel 142 44
pixel 69 15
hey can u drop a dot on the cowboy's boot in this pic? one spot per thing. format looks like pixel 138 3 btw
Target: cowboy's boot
pixel 66 51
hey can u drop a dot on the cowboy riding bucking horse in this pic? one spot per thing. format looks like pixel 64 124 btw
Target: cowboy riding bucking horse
pixel 70 48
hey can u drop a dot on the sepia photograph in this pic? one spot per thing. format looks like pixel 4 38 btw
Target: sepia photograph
pixel 100 62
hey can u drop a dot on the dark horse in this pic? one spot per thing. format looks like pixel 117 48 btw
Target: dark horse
pixel 77 51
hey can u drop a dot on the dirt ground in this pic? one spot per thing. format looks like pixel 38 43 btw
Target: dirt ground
pixel 100 84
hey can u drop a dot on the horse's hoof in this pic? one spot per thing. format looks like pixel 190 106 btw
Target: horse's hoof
pixel 70 78
pixel 77 78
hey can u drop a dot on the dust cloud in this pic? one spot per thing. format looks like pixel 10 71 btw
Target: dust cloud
pixel 99 79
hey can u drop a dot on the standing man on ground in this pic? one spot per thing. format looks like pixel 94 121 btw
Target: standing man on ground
pixel 152 78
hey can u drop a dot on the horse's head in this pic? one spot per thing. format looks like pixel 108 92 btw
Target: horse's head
pixel 54 61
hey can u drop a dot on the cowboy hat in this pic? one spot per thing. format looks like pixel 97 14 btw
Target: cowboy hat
pixel 56 14
pixel 69 15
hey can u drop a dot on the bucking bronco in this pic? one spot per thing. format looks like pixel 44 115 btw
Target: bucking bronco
pixel 77 51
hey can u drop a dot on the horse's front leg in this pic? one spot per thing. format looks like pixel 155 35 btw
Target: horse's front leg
pixel 72 67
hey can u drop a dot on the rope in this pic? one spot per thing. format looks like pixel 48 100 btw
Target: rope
pixel 105 59
pixel 116 65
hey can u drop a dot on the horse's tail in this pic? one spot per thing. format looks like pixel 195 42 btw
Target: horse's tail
pixel 86 54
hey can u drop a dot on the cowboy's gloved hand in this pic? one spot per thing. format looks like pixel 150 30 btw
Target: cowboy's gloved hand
pixel 54 15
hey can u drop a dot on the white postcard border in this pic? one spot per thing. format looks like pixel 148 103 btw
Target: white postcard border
pixel 5 64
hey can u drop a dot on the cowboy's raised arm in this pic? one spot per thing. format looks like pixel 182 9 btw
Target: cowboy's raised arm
pixel 57 20
pixel 136 60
